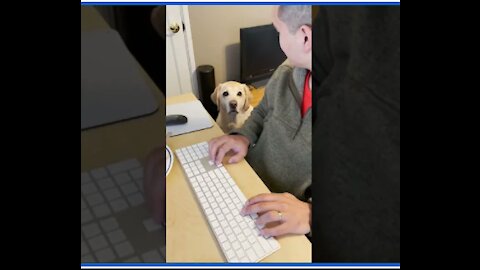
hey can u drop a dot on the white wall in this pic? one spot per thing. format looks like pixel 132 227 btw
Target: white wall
pixel 216 35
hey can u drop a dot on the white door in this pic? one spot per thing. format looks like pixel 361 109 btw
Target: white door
pixel 181 77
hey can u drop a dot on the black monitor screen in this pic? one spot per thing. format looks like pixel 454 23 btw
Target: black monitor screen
pixel 260 52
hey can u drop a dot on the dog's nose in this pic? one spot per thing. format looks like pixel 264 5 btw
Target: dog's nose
pixel 233 104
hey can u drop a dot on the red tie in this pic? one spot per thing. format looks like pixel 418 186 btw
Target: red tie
pixel 307 95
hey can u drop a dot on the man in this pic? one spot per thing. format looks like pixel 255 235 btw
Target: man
pixel 277 136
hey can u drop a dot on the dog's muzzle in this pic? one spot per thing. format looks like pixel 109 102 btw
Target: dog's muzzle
pixel 233 106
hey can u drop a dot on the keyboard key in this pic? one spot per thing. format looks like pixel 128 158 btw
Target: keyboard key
pixel 230 254
pixel 258 249
pixel 232 238
pixel 240 253
pixel 119 205
pixel 246 245
pixel 86 216
pixel 105 255
pixel 85 178
pixel 273 243
pixel 129 188
pixel 106 183
pixel 94 199
pixel 109 224
pixel 137 173
pixel 241 237
pixel 84 249
pixel 124 249
pixel 89 188
pixel 123 166
pixel 226 245
pixel 116 236
pixel 91 230
pixel 122 178
pixel 99 173
pixel 251 255
pixel 98 242
pixel 222 238
pixel 101 210
pixel 264 243
pixel 112 194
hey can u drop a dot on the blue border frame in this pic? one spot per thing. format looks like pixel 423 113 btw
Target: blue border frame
pixel 242 264
pixel 241 3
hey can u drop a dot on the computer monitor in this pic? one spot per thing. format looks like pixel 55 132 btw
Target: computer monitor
pixel 260 53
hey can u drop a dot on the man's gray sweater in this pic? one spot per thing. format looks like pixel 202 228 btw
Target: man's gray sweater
pixel 280 139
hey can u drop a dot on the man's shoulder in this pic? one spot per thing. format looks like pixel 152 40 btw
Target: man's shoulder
pixel 284 68
pixel 287 66
pixel 286 63
pixel 284 75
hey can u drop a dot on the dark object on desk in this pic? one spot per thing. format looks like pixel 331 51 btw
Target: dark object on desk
pixel 206 83
pixel 176 119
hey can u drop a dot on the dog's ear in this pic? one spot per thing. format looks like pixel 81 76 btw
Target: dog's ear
pixel 215 96
pixel 248 97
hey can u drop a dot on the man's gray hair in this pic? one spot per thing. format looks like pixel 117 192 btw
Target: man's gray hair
pixel 295 16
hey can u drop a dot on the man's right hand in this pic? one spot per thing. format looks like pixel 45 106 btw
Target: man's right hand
pixel 220 146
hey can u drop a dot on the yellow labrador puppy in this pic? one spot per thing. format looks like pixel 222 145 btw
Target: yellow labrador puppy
pixel 233 103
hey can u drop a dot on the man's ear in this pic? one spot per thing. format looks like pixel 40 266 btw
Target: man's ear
pixel 215 96
pixel 248 97
pixel 307 37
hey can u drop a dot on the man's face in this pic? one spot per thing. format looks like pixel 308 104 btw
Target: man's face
pixel 291 44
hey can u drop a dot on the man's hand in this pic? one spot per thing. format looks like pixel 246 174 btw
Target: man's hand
pixel 220 146
pixel 291 214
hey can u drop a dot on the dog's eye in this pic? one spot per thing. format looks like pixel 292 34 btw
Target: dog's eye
pixel 225 94
pixel 239 94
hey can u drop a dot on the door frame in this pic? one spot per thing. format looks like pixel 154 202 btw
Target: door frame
pixel 189 57
pixel 189 45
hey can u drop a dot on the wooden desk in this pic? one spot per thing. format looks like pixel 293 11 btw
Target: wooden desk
pixel 189 238
pixel 127 139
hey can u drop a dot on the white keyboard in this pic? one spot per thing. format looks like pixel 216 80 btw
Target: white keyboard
pixel 115 221
pixel 221 201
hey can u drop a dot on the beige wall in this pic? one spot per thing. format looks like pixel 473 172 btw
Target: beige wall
pixel 216 35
